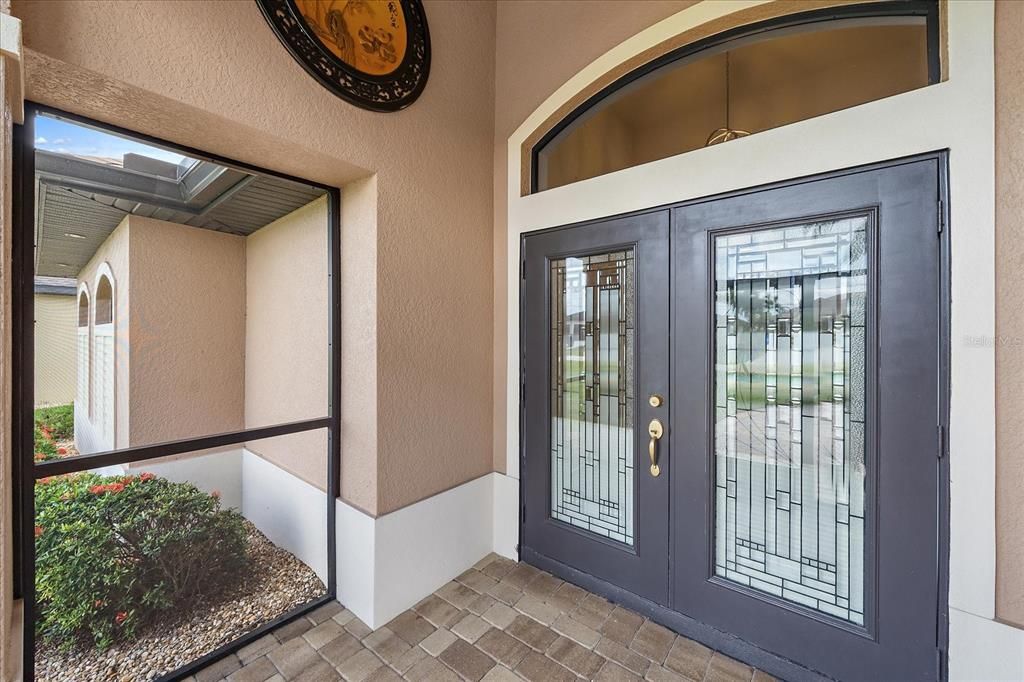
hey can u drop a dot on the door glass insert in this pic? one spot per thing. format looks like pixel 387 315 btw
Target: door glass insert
pixel 789 412
pixel 592 344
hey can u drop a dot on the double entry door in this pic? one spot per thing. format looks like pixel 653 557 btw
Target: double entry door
pixel 732 410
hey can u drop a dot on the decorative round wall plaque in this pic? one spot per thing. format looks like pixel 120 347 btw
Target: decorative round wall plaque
pixel 371 53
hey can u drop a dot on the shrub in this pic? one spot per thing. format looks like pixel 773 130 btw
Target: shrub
pixel 52 424
pixel 45 448
pixel 114 552
pixel 59 420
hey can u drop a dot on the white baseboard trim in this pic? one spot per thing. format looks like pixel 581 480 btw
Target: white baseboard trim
pixel 387 564
pixel 289 511
pixel 506 516
pixel 219 471
pixel 982 650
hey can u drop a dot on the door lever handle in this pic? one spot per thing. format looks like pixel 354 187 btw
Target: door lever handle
pixel 656 431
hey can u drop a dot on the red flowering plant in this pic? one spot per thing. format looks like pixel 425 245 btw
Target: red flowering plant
pixel 53 424
pixel 113 552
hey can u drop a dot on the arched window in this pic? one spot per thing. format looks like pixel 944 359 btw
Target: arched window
pixel 82 354
pixel 83 308
pixel 104 301
pixel 743 82
pixel 103 350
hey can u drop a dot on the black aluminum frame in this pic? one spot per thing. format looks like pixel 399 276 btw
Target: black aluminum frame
pixel 929 9
pixel 26 471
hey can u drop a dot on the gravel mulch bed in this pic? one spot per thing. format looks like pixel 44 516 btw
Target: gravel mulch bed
pixel 68 445
pixel 277 582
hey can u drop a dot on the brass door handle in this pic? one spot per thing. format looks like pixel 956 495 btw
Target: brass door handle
pixel 656 431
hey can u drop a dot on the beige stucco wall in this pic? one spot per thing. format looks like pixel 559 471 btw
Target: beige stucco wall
pixel 539 45
pixel 56 340
pixel 114 252
pixel 187 335
pixel 212 75
pixel 286 336
pixel 1009 40
pixel 9 639
pixel 179 318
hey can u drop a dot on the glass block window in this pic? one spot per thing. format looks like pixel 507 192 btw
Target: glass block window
pixel 789 412
pixel 592 345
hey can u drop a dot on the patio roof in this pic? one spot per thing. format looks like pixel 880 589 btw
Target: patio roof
pixel 62 286
pixel 82 199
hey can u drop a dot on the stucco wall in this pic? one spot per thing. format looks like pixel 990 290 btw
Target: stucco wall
pixel 1009 349
pixel 56 348
pixel 539 45
pixel 8 629
pixel 286 337
pixel 179 300
pixel 187 335
pixel 213 75
pixel 114 252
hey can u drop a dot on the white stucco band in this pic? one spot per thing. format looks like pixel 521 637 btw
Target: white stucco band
pixel 957 115
pixel 389 563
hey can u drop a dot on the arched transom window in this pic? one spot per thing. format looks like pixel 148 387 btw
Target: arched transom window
pixel 742 82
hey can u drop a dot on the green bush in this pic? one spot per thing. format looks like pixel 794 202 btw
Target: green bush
pixel 53 424
pixel 114 552
pixel 59 420
pixel 45 447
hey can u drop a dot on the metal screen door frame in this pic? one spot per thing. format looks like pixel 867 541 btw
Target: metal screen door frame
pixel 901 636
pixel 642 567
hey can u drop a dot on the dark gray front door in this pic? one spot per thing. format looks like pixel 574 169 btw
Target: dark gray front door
pixel 595 335
pixel 806 359
pixel 792 341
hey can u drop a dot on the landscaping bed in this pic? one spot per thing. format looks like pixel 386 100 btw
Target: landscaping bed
pixel 137 576
pixel 54 432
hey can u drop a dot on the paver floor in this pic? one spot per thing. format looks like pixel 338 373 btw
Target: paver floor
pixel 500 620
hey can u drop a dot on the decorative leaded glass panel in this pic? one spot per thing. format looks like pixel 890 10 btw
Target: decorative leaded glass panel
pixel 789 412
pixel 592 336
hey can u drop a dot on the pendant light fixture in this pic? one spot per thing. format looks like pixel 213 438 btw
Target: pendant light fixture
pixel 727 133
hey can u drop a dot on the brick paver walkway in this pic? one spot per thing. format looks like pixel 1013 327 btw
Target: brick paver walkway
pixel 497 621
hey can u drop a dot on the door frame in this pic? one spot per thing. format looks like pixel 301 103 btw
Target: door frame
pixel 685 625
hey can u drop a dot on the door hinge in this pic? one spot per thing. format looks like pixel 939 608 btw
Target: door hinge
pixel 942 441
pixel 524 513
pixel 942 215
pixel 522 269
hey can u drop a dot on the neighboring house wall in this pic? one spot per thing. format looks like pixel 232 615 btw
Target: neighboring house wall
pixel 56 348
pixel 286 337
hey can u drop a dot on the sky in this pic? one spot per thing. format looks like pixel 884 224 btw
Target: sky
pixel 61 136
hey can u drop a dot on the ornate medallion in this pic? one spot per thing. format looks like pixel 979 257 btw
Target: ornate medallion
pixel 371 53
